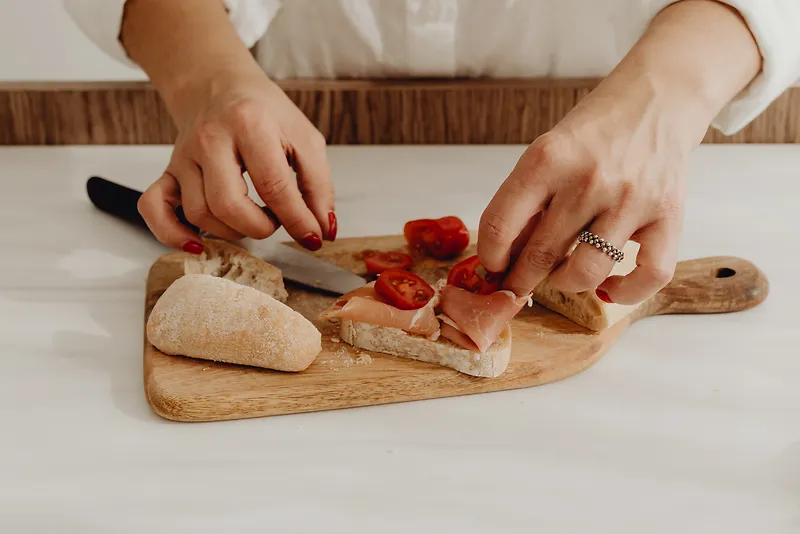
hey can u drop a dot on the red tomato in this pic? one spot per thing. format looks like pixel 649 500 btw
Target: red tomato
pixel 470 275
pixel 442 238
pixel 377 262
pixel 420 234
pixel 403 289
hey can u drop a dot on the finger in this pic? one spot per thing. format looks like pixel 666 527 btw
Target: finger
pixel 524 193
pixel 590 263
pixel 193 200
pixel 655 265
pixel 157 207
pixel 549 243
pixel 272 218
pixel 314 182
pixel 522 239
pixel 265 161
pixel 226 191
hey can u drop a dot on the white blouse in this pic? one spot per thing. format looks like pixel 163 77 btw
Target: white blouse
pixel 469 38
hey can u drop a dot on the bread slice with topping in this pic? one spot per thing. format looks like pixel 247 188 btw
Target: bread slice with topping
pixel 491 363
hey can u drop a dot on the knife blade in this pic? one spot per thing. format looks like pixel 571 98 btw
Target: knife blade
pixel 297 266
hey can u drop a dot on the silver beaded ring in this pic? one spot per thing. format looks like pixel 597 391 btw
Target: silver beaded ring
pixel 601 244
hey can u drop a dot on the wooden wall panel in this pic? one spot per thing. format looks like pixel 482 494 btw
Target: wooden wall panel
pixel 347 112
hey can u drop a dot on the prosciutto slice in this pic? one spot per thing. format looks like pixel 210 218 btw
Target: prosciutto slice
pixel 451 332
pixel 366 305
pixel 481 318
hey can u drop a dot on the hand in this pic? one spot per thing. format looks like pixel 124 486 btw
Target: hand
pixel 615 165
pixel 235 123
pixel 609 167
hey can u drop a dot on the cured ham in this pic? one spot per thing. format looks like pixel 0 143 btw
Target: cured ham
pixel 469 319
pixel 366 305
pixel 481 318
pixel 451 332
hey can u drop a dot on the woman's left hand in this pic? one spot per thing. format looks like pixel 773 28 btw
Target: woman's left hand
pixel 614 166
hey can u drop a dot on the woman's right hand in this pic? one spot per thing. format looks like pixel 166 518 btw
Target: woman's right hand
pixel 231 124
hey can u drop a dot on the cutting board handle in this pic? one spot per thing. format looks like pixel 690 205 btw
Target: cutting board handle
pixel 719 284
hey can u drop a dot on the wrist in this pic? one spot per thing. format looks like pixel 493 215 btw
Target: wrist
pixel 694 58
pixel 692 96
pixel 186 93
pixel 680 104
pixel 698 53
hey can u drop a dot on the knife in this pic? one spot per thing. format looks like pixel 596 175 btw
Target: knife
pixel 296 265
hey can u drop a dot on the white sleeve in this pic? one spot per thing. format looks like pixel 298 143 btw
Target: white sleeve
pixel 100 21
pixel 775 24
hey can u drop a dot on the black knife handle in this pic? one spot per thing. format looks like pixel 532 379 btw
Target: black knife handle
pixel 121 201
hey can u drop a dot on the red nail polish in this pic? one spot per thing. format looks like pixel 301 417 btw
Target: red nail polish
pixel 311 241
pixel 602 295
pixel 333 226
pixel 192 247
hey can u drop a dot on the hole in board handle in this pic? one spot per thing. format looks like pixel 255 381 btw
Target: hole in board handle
pixel 725 272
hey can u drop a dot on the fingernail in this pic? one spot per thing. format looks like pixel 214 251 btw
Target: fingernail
pixel 602 295
pixel 192 247
pixel 333 226
pixel 311 242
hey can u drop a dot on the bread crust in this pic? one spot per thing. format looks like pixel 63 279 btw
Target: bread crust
pixel 396 342
pixel 585 308
pixel 232 262
pixel 213 318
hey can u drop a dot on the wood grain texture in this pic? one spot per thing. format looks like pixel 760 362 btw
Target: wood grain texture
pixel 546 347
pixel 471 111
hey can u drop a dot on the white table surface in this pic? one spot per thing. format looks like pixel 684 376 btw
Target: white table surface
pixel 689 424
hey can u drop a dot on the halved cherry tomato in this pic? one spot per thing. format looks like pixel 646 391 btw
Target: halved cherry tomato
pixel 442 238
pixel 403 289
pixel 377 262
pixel 470 275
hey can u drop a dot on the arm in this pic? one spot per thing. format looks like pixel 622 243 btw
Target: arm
pixel 615 164
pixel 697 53
pixel 183 45
pixel 101 20
pixel 774 25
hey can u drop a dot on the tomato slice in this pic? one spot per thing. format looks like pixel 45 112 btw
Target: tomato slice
pixel 470 275
pixel 455 236
pixel 403 289
pixel 377 262
pixel 419 233
pixel 442 238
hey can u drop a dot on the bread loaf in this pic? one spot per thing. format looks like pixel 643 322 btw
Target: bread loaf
pixel 586 308
pixel 213 318
pixel 232 262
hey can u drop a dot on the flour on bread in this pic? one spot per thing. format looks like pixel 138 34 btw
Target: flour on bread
pixel 213 318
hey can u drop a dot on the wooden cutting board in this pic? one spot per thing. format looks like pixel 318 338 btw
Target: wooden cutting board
pixel 546 346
